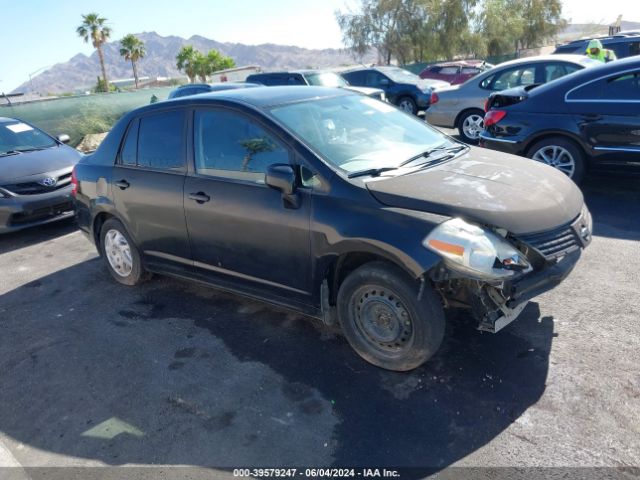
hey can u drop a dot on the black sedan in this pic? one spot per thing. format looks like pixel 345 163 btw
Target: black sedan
pixel 334 204
pixel 35 176
pixel 589 120
pixel 197 88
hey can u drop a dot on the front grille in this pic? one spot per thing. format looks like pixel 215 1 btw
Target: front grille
pixel 41 213
pixel 35 188
pixel 554 243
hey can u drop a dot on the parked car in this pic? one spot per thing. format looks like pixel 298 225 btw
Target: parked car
pixel 196 88
pixel 35 176
pixel 623 44
pixel 334 204
pixel 589 120
pixel 316 78
pixel 462 106
pixel 402 88
pixel 455 72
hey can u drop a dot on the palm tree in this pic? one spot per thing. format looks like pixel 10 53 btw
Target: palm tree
pixel 93 28
pixel 187 60
pixel 132 49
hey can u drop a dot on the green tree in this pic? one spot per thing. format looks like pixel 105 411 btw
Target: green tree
pixel 542 20
pixel 94 29
pixel 216 61
pixel 187 61
pixel 132 49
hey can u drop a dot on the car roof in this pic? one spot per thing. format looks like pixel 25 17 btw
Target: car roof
pixel 260 97
pixel 187 85
pixel 572 58
pixel 8 120
pixel 617 38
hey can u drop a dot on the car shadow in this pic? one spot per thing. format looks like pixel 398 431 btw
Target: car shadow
pixel 34 235
pixel 614 203
pixel 178 374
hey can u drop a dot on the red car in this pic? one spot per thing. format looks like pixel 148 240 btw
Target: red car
pixel 455 72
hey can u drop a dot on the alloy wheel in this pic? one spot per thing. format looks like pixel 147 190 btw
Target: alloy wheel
pixel 473 126
pixel 556 157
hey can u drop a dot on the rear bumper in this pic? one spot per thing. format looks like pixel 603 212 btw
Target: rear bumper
pixel 515 146
pixel 24 211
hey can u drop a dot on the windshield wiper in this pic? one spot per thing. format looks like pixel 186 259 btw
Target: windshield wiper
pixel 30 149
pixel 453 149
pixel 10 152
pixel 373 172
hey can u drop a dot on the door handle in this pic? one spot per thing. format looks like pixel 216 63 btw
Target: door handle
pixel 122 184
pixel 592 116
pixel 200 197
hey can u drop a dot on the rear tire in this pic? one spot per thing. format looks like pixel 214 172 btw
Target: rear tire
pixel 383 320
pixel 470 125
pixel 561 154
pixel 121 254
pixel 407 104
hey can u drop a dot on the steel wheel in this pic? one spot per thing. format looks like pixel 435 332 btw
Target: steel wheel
pixel 472 126
pixel 382 319
pixel 118 253
pixel 557 157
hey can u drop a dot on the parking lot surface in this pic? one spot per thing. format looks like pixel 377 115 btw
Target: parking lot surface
pixel 173 373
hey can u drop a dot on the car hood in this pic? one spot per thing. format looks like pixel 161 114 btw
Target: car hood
pixel 488 187
pixel 365 90
pixel 432 83
pixel 52 159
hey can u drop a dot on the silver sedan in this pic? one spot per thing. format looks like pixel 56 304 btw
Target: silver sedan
pixel 462 106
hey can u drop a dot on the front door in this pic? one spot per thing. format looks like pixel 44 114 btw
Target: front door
pixel 608 114
pixel 241 230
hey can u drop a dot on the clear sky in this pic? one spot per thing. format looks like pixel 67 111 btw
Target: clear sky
pixel 39 33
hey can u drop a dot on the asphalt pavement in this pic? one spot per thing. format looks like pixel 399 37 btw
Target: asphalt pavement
pixel 93 373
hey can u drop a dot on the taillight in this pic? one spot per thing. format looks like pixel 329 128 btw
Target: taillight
pixel 434 98
pixel 493 116
pixel 74 182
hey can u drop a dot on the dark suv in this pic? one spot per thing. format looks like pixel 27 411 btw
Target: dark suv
pixel 623 44
pixel 334 204
pixel 317 78
pixel 402 88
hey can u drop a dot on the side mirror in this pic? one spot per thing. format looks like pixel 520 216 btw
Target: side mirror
pixel 281 177
pixel 64 138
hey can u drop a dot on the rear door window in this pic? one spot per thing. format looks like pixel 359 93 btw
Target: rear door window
pixel 514 77
pixel 160 140
pixel 623 87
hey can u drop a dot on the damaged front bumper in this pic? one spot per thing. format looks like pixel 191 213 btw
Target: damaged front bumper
pixel 497 306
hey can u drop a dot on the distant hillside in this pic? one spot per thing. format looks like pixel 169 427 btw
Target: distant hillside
pixel 579 30
pixel 81 71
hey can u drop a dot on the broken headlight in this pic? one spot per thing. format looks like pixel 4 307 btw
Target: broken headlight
pixel 476 251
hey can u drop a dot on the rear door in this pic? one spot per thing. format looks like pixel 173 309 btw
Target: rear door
pixel 148 182
pixel 608 113
pixel 242 232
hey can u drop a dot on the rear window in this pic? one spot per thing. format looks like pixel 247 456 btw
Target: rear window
pixel 449 71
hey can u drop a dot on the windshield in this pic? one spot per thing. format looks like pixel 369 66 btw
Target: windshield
pixel 326 79
pixel 400 75
pixel 17 136
pixel 355 133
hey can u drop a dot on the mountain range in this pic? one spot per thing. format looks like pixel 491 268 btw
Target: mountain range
pixel 81 71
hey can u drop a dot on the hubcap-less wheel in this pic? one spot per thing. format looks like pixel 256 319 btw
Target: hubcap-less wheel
pixel 557 157
pixel 407 106
pixel 473 126
pixel 118 253
pixel 382 319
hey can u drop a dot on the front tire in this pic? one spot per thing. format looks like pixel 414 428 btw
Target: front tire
pixel 561 154
pixel 470 125
pixel 383 320
pixel 121 254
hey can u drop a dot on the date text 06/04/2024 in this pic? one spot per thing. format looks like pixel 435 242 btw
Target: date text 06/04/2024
pixel 316 472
